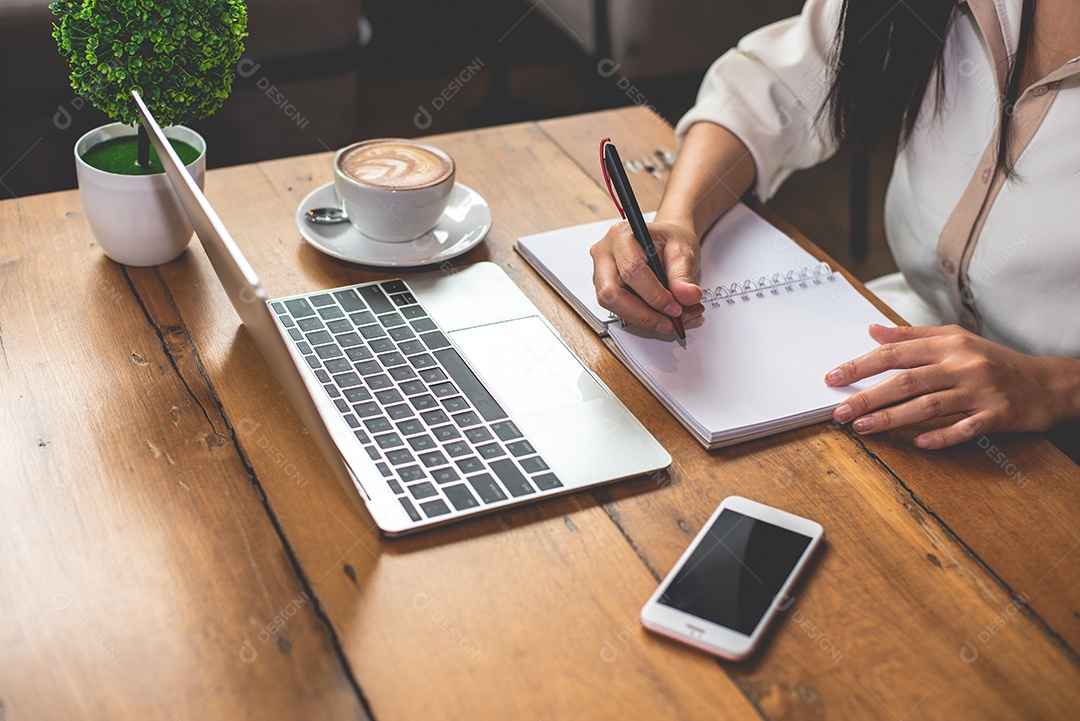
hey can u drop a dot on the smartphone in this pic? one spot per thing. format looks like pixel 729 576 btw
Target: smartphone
pixel 731 582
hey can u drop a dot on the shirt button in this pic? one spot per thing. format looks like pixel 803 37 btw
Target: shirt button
pixel 1039 91
pixel 947 266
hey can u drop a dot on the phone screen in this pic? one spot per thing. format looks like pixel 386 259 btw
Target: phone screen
pixel 735 572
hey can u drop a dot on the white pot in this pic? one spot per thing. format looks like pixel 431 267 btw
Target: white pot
pixel 137 219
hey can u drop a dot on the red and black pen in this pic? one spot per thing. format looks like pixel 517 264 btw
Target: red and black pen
pixel 619 185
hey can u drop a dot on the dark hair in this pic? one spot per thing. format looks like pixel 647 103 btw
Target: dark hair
pixel 885 53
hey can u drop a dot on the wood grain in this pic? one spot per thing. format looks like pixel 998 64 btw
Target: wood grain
pixel 143 577
pixel 174 545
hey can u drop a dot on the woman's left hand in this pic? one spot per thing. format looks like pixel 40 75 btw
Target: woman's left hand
pixel 949 370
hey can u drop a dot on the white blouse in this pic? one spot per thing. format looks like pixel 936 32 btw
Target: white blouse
pixel 1001 258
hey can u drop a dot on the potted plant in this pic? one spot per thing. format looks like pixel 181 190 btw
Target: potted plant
pixel 180 57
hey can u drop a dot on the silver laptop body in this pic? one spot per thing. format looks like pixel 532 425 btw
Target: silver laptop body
pixel 571 425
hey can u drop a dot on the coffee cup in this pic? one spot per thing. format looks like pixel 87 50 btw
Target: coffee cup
pixel 393 189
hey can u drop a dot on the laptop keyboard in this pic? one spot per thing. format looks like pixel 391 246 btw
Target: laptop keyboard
pixel 434 432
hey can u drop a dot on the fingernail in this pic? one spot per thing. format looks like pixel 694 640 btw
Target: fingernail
pixel 922 442
pixel 843 413
pixel 864 424
pixel 674 310
pixel 834 376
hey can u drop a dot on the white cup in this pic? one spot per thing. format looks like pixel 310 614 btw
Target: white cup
pixel 397 211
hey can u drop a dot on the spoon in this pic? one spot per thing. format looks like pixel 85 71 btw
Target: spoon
pixel 326 216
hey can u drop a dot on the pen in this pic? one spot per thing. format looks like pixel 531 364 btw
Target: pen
pixel 615 175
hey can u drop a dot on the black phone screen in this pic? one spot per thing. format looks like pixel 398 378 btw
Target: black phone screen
pixel 735 572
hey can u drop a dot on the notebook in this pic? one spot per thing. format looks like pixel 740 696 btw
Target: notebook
pixel 776 321
pixel 433 398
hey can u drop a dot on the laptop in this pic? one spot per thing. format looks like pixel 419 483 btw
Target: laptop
pixel 434 398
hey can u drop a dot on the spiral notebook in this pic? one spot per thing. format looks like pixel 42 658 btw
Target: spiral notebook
pixel 776 320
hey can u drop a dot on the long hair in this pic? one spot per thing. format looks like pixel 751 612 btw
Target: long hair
pixel 884 56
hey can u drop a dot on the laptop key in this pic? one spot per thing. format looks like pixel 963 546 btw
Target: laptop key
pixel 361 436
pixel 435 340
pixel 512 478
pixel 547 481
pixel 309 324
pixel 491 450
pixel 347 340
pixel 299 308
pixel 304 348
pixel 379 382
pixel 411 427
pixel 382 345
pixel 366 410
pixel 422 361
pixel 349 300
pixel 342 405
pixel 423 325
pixel 423 490
pixel 410 473
pixel 442 390
pixel 389 440
pixel 332 390
pixel 395 486
pixel 366 368
pixel 445 475
pixel 364 318
pixel 460 496
pixel 402 333
pixel 372 331
pixel 411 347
pixel 323 376
pixel 533 465
pixel 328 351
pixel 295 334
pixel 340 326
pixel 411 388
pixel 472 464
pixel 394 286
pixel 409 508
pixel 391 395
pixel 432 459
pixel 457 448
pixel 351 420
pixel 520 448
pixel 338 365
pixel 402 373
pixel 330 312
pixel 320 300
pixel 413 311
pixel 357 395
pixel 457 403
pixel 446 433
pixel 434 418
pixel 279 309
pixel 486 487
pixel 375 298
pixel 399 411
pixel 403 298
pixel 384 469
pixel 373 452
pixel 433 375
pixel 470 385
pixel 435 508
pixel 377 425
pixel 478 435
pixel 422 443
pixel 399 456
pixel 358 353
pixel 391 320
pixel 506 430
pixel 313 362
pixel 347 380
pixel 466 419
pixel 392 359
pixel 423 403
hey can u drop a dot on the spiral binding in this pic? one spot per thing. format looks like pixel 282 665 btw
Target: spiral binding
pixel 773 285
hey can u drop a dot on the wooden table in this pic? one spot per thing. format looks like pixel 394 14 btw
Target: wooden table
pixel 171 545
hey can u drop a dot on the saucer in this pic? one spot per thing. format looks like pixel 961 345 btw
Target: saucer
pixel 464 224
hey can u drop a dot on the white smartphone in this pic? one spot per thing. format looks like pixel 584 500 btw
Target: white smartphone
pixel 732 580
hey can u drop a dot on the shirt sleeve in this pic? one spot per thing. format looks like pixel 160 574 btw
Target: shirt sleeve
pixel 768 90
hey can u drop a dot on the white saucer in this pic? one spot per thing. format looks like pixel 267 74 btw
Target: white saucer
pixel 464 224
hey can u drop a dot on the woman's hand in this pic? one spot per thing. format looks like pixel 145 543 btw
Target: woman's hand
pixel 950 370
pixel 619 267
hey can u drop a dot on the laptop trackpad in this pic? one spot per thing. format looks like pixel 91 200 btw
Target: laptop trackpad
pixel 527 366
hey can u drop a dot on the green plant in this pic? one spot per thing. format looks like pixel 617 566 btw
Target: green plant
pixel 179 54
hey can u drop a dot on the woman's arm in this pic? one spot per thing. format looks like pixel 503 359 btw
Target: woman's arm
pixel 712 172
pixel 949 370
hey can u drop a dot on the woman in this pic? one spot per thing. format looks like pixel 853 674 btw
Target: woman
pixel 982 212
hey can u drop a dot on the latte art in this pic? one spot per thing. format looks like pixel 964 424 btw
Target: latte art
pixel 395 165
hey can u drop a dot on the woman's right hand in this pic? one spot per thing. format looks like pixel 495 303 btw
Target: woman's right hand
pixel 619 267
